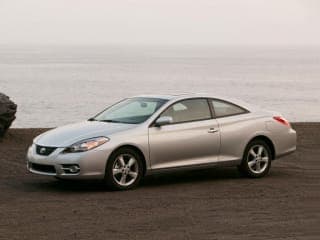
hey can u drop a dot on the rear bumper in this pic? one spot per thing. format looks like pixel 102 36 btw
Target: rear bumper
pixel 286 143
pixel 284 154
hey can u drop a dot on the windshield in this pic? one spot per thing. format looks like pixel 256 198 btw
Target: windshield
pixel 132 110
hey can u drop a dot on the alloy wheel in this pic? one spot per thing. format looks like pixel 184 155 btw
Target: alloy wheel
pixel 257 159
pixel 125 169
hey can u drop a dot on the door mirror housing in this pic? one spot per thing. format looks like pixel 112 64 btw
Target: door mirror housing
pixel 165 120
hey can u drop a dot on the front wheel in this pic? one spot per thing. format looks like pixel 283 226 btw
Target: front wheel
pixel 256 160
pixel 124 169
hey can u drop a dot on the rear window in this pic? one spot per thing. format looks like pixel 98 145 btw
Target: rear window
pixel 223 109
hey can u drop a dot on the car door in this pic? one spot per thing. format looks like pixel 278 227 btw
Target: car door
pixel 192 138
pixel 236 128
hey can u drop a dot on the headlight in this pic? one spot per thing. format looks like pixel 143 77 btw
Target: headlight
pixel 86 145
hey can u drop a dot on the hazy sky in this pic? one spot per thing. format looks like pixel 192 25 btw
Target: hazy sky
pixel 283 22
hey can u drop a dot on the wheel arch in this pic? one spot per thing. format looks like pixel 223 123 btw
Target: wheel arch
pixel 268 141
pixel 136 149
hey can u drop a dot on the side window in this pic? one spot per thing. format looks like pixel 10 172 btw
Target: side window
pixel 223 109
pixel 188 110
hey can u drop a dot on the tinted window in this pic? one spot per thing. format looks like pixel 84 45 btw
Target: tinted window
pixel 188 110
pixel 223 109
pixel 133 110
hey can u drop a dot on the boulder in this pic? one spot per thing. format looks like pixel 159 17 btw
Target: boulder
pixel 8 111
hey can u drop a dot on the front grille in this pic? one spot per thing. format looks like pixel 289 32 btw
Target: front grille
pixel 45 151
pixel 43 168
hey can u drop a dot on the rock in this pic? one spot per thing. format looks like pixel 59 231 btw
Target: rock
pixel 8 110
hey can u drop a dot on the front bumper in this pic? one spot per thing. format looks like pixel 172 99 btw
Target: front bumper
pixel 90 164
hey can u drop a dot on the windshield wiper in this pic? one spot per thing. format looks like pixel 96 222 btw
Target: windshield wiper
pixel 115 121
pixel 110 120
pixel 107 120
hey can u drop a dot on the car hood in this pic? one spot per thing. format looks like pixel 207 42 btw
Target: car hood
pixel 70 134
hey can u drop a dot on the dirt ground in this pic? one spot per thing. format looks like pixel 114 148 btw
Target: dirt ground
pixel 208 204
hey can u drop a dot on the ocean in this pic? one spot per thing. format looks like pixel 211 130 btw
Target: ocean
pixel 57 85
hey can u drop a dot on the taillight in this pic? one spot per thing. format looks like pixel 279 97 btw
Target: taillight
pixel 282 120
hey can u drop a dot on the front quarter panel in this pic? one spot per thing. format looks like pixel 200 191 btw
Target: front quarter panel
pixel 136 137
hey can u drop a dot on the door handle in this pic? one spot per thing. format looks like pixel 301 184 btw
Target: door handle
pixel 212 130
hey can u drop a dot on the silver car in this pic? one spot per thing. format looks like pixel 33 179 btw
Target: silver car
pixel 146 134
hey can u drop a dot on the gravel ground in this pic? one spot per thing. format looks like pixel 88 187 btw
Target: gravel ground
pixel 207 204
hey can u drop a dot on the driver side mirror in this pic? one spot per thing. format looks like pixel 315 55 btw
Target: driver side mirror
pixel 165 120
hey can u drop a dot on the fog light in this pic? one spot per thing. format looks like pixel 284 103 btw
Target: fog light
pixel 71 168
pixel 74 169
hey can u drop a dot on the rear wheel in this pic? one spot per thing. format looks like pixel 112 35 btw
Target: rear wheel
pixel 256 160
pixel 124 169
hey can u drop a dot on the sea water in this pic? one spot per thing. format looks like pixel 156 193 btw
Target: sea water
pixel 57 85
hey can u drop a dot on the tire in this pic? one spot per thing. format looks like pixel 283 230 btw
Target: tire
pixel 124 169
pixel 256 161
